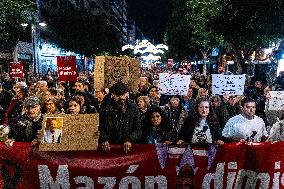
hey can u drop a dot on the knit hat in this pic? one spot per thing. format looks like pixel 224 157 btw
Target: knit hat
pixel 31 101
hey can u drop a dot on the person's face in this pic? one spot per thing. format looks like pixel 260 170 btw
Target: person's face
pixel 189 93
pixel 79 86
pixel 153 92
pixel 50 106
pixel 266 90
pixel 156 83
pixel 249 109
pixel 74 107
pixel 33 111
pixel 86 87
pixel 215 102
pixel 203 109
pixel 142 82
pixel 48 94
pixel 15 87
pixel 60 86
pixel 156 119
pixel 258 85
pixel 232 100
pixel 174 102
pixel 60 96
pixel 121 98
pixel 203 93
pixel 42 87
pixel 82 98
pixel 99 95
pixel 141 104
pixel 53 125
pixel 19 93
pixel 32 87
pixel 192 84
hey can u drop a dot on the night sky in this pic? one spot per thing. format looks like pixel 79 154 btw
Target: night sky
pixel 151 17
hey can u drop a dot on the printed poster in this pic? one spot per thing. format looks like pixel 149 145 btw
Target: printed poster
pixel 67 70
pixel 276 101
pixel 173 84
pixel 230 84
pixel 16 70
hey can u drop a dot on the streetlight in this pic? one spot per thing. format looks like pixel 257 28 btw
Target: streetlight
pixel 35 41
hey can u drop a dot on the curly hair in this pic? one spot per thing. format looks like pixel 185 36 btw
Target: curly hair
pixel 119 89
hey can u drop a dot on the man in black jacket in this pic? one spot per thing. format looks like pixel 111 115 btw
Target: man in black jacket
pixel 119 119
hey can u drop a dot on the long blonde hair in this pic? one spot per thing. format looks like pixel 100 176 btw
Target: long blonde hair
pixel 145 99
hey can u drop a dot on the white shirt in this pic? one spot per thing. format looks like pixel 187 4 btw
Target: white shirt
pixel 239 127
pixel 277 131
pixel 202 134
pixel 54 137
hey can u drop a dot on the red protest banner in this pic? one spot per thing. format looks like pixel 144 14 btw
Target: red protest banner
pixel 233 165
pixel 66 66
pixel 16 70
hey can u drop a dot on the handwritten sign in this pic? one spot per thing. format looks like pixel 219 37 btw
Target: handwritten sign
pixel 67 70
pixel 173 84
pixel 231 84
pixel 16 70
pixel 276 102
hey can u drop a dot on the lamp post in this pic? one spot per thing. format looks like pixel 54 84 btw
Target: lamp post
pixel 35 29
pixel 33 19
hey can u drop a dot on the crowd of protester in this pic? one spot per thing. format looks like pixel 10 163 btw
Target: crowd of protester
pixel 143 116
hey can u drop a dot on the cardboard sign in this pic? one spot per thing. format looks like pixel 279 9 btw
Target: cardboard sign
pixel 74 132
pixel 16 70
pixel 230 84
pixel 276 102
pixel 110 70
pixel 67 70
pixel 173 84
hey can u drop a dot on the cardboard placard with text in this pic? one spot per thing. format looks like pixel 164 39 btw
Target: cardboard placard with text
pixel 71 133
pixel 110 70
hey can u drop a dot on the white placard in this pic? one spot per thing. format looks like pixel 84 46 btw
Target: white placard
pixel 230 84
pixel 173 84
pixel 276 102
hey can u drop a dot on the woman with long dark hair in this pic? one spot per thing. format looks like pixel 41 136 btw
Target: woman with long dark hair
pixel 155 128
pixel 201 127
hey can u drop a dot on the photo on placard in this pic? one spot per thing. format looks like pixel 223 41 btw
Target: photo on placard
pixel 53 130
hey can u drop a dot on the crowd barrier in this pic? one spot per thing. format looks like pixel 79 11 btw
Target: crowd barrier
pixel 235 165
